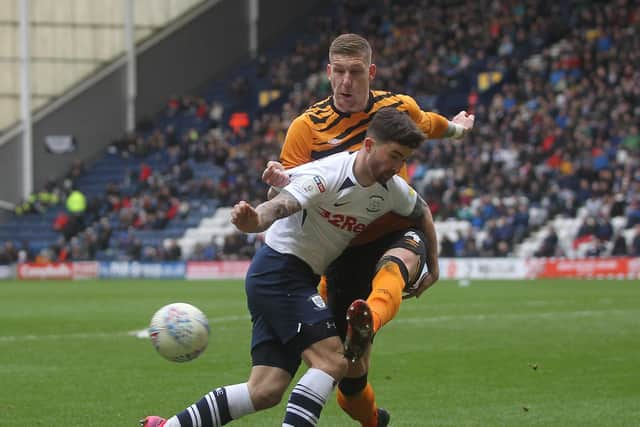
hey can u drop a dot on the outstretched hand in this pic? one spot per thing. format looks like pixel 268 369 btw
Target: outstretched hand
pixel 275 174
pixel 245 217
pixel 427 281
pixel 465 120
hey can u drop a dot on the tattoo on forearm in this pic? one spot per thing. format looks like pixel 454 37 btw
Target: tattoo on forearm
pixel 281 206
pixel 287 204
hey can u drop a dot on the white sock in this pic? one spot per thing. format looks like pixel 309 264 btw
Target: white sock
pixel 216 408
pixel 239 399
pixel 307 398
pixel 172 422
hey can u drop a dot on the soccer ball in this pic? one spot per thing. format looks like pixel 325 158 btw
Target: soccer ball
pixel 179 331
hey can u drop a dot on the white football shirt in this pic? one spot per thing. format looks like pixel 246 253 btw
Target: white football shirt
pixel 334 209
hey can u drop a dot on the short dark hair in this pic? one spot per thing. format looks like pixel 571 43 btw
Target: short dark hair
pixel 351 45
pixel 391 125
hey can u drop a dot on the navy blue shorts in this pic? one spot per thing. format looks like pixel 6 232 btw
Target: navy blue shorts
pixel 284 303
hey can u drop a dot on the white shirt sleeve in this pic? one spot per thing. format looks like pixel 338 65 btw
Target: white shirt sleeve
pixel 403 195
pixel 308 187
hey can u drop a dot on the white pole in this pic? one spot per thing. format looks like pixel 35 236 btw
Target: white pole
pixel 130 41
pixel 254 11
pixel 25 100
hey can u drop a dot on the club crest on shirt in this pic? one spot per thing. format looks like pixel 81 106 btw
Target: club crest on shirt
pixel 318 301
pixel 375 204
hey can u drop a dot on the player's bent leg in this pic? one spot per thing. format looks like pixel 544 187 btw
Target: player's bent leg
pixel 273 368
pixel 411 249
pixel 400 266
pixel 327 366
pixel 386 289
pixel 351 277
pixel 215 409
pixel 412 262
pixel 355 395
pixel 274 365
pixel 357 398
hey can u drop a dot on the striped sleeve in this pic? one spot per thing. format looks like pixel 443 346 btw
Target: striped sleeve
pixel 432 124
pixel 296 149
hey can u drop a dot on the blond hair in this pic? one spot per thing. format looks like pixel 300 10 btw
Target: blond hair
pixel 351 45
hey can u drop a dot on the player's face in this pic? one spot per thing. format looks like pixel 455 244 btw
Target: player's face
pixel 350 77
pixel 386 160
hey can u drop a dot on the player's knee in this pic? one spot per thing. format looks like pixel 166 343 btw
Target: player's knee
pixel 335 365
pixel 412 263
pixel 410 250
pixel 265 395
pixel 403 258
pixel 328 356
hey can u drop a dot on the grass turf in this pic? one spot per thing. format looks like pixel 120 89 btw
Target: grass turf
pixel 528 353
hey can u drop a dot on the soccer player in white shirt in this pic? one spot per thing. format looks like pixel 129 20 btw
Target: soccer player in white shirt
pixel 310 222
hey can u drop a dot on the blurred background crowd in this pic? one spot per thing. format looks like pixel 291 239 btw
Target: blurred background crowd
pixel 554 85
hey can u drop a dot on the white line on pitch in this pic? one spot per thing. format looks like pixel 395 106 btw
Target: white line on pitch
pixel 140 333
pixel 502 316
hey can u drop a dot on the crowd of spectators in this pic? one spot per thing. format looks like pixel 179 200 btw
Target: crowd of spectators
pixel 559 133
pixel 556 128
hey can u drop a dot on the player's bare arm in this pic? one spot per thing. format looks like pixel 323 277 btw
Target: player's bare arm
pixel 255 220
pixel 424 221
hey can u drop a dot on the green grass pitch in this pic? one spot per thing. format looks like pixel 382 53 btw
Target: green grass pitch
pixel 528 353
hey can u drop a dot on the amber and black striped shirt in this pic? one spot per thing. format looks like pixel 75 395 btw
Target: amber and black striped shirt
pixel 322 130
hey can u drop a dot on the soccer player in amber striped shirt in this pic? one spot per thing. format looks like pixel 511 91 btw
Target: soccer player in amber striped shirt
pixel 391 256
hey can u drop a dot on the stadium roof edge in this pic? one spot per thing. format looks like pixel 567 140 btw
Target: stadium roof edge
pixel 83 85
